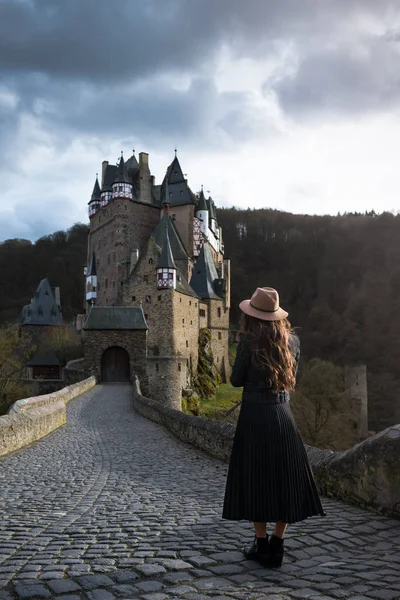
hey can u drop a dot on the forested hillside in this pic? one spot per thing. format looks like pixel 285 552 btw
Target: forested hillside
pixel 339 277
pixel 59 256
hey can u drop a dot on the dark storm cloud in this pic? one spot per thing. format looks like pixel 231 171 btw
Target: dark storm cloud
pixel 345 80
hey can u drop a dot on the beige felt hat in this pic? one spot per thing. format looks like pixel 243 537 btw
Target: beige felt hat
pixel 264 304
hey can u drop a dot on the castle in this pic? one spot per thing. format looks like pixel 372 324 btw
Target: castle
pixel 156 276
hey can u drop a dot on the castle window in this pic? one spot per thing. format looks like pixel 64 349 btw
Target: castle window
pixel 195 304
pixel 150 261
pixel 106 300
pixel 187 344
pixel 217 358
pixel 146 316
pixel 98 285
pixel 180 299
pixel 179 367
pixel 133 298
pixel 181 192
pixel 157 367
pixel 106 282
pixel 219 312
pixel 146 278
pixel 122 284
pixel 183 321
pixel 219 335
pixel 190 303
pixel 170 194
pixel 159 298
pixel 202 312
pixel 148 299
pixel 191 322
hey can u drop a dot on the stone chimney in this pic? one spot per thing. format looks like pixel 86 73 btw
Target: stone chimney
pixel 104 166
pixel 144 177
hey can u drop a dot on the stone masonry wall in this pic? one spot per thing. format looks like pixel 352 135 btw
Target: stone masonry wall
pixel 183 217
pixel 30 419
pixel 134 342
pixel 186 327
pixel 218 323
pixel 167 376
pixel 116 230
pixel 141 287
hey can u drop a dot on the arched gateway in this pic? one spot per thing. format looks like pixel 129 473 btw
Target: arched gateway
pixel 115 365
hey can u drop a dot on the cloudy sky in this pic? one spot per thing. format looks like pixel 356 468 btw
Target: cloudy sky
pixel 292 104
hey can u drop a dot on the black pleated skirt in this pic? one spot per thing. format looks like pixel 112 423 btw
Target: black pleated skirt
pixel 269 476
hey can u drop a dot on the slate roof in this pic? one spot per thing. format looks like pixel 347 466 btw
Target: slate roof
pixel 42 309
pixel 182 285
pixel 211 208
pixel 96 194
pixel 174 187
pixel 166 259
pixel 115 317
pixel 204 274
pixel 202 205
pixel 177 247
pixel 44 358
pixel 121 175
pixel 109 177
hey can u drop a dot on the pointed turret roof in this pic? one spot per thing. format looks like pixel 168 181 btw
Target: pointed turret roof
pixel 96 194
pixel 92 268
pixel 43 309
pixel 202 205
pixel 121 175
pixel 211 209
pixel 167 224
pixel 204 274
pixel 109 177
pixel 166 259
pixel 174 187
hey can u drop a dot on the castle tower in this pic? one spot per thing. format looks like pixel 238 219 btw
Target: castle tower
pixel 202 213
pixel 95 200
pixel 122 186
pixel 166 268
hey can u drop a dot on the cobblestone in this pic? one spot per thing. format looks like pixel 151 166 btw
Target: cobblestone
pixel 112 506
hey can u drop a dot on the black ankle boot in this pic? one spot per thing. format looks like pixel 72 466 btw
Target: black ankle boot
pixel 259 550
pixel 276 552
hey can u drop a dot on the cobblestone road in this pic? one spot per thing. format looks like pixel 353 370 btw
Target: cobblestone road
pixel 112 506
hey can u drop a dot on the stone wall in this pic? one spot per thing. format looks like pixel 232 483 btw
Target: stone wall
pixel 30 419
pixel 214 437
pixel 186 327
pixel 134 342
pixel 167 377
pixel 367 474
pixel 218 323
pixel 116 230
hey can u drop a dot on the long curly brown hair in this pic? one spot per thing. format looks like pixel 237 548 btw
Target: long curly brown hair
pixel 271 350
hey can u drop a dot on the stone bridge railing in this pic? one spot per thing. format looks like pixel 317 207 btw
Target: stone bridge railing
pixel 367 474
pixel 30 419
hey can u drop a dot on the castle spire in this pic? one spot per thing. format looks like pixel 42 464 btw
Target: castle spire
pixel 166 268
pixel 122 186
pixel 94 202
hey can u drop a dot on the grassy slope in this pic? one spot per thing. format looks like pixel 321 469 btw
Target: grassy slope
pixel 226 396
